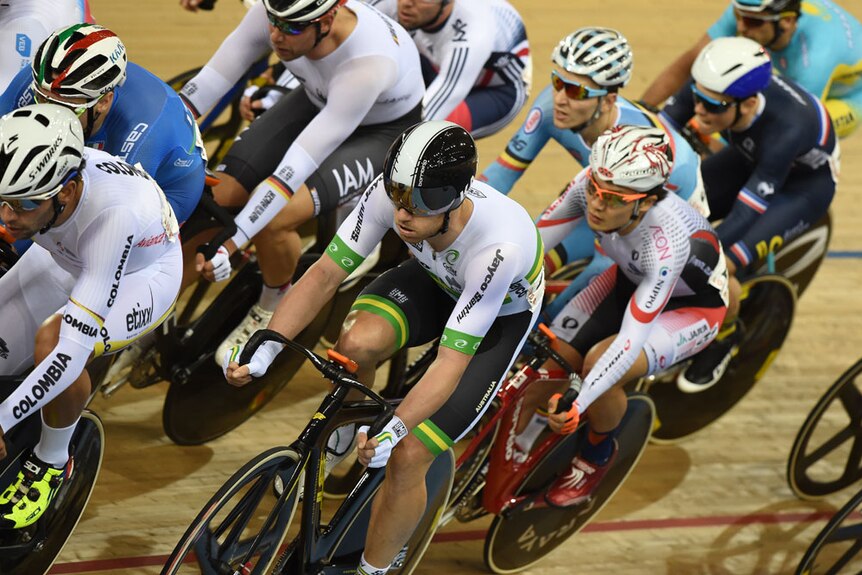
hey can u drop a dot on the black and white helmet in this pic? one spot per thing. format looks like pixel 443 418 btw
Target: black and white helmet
pixel 429 168
pixel 80 61
pixel 635 157
pixel 300 10
pixel 40 146
pixel 601 54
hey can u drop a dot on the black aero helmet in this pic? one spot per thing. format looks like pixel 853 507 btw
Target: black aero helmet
pixel 429 167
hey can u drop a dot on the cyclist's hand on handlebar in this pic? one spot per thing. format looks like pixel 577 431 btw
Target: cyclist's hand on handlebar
pixel 247 106
pixel 375 452
pixel 2 446
pixel 217 269
pixel 566 422
pixel 240 375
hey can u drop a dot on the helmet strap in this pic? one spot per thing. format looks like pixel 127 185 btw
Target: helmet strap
pixel 445 226
pixel 596 115
pixel 776 34
pixel 58 209
pixel 91 122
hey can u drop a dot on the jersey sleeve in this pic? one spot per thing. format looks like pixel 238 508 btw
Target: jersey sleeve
pixel 725 25
pixel 561 217
pixel 18 92
pixel 524 146
pixel 363 229
pixel 352 93
pixel 245 45
pixel 647 302
pixel 460 66
pixel 486 284
pixel 105 246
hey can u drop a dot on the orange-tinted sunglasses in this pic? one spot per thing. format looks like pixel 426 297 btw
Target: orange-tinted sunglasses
pixel 611 197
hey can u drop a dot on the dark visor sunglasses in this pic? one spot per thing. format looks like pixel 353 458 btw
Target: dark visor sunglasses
pixel 710 104
pixel 574 91
pixel 288 27
pixel 752 21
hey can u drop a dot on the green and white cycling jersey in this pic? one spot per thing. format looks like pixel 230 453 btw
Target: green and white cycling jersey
pixel 492 268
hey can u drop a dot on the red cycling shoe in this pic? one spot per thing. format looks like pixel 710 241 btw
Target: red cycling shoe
pixel 578 485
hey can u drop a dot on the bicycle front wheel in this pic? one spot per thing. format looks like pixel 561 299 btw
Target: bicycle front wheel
pixel 836 549
pixel 827 453
pixel 242 528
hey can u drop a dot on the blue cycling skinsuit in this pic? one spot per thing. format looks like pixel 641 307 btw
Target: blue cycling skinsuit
pixel 775 178
pixel 147 124
pixel 824 56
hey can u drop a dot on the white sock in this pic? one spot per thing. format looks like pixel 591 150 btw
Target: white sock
pixel 366 568
pixel 531 433
pixel 270 296
pixel 53 446
pixel 341 439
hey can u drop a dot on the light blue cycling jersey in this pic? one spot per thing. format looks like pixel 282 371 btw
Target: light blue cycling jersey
pixel 147 123
pixel 824 56
pixel 532 136
pixel 539 127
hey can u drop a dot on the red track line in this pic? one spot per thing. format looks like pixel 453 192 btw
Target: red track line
pixel 120 563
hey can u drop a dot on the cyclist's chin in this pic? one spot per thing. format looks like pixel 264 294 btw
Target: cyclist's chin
pixel 285 55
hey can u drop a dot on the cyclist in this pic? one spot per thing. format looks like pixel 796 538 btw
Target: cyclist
pixel 774 179
pixel 24 25
pixel 662 300
pixel 475 59
pixel 104 269
pixel 477 283
pixel 590 66
pixel 815 43
pixel 124 109
pixel 317 147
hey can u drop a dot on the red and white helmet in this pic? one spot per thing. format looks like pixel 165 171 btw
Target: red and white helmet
pixel 639 158
pixel 80 61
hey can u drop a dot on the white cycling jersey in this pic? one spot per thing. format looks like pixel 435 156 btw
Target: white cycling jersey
pixel 373 77
pixel 490 269
pixel 665 256
pixel 24 25
pixel 482 43
pixel 113 270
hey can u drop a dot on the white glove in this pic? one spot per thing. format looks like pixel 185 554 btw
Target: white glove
pixel 387 439
pixel 269 99
pixel 221 264
pixel 260 361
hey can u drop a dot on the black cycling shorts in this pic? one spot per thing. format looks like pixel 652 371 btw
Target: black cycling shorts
pixel 347 171
pixel 418 309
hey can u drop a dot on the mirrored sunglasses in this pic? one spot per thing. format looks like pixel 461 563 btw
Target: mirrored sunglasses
pixel 288 27
pixel 19 206
pixel 710 104
pixel 610 197
pixel 574 91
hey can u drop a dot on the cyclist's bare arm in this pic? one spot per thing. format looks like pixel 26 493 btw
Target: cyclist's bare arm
pixel 674 76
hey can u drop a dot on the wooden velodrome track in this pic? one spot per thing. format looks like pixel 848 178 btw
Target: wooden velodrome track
pixel 717 503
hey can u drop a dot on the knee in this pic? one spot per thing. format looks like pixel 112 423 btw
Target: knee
pixel 47 337
pixel 229 191
pixel 409 463
pixel 364 340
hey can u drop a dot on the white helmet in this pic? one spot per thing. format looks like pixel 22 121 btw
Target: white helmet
pixel 40 146
pixel 80 61
pixel 735 66
pixel 602 54
pixel 635 157
pixel 768 6
pixel 300 10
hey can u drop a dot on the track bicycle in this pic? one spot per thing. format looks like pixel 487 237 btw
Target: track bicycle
pixel 489 480
pixel 836 549
pixel 243 527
